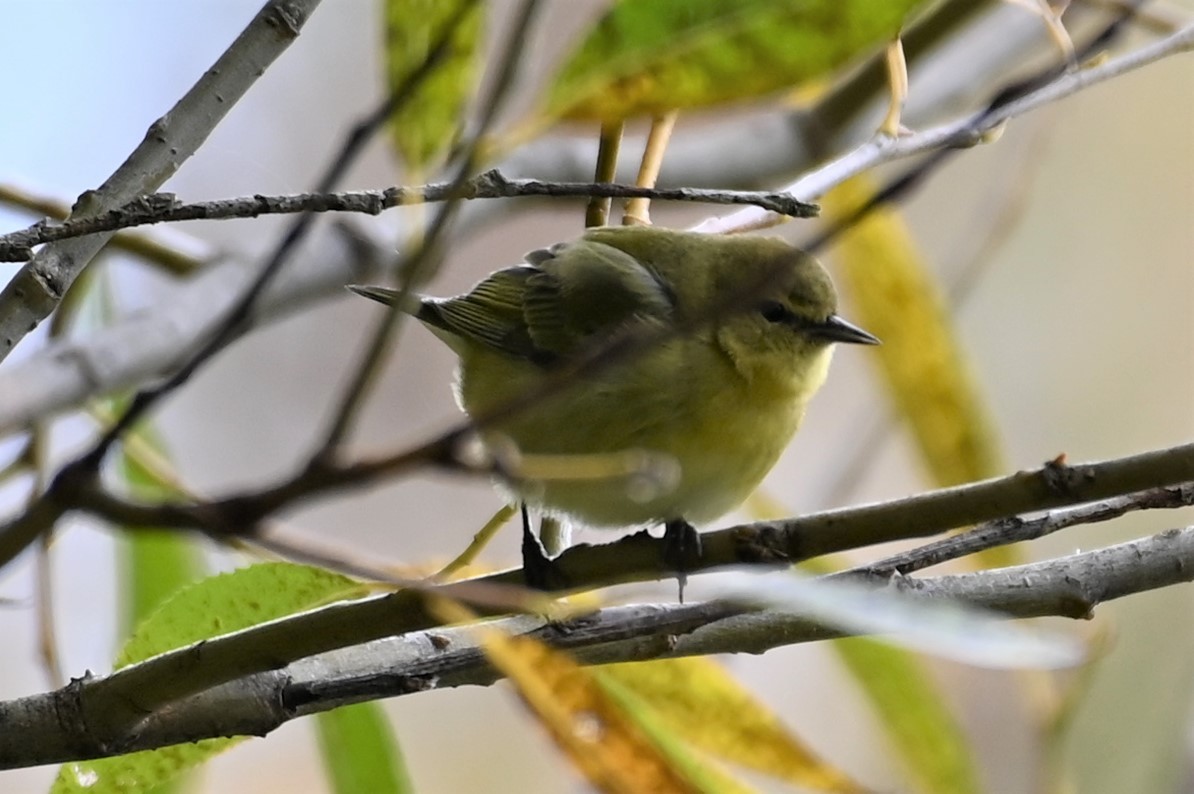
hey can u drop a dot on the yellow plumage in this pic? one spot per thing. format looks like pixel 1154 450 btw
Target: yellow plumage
pixel 721 402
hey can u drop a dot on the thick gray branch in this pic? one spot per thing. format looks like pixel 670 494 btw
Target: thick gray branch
pixel 119 702
pixel 35 291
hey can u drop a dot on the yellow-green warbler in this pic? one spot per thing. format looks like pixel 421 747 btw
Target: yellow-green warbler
pixel 721 400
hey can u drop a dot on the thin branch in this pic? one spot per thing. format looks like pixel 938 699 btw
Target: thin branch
pixel 36 289
pixel 489 185
pixel 1006 531
pixel 421 263
pixel 82 474
pixel 239 515
pixel 966 132
pixel 174 252
pixel 56 726
pixel 237 317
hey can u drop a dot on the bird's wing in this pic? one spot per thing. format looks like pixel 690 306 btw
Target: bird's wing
pixel 585 290
pixel 491 313
pixel 545 310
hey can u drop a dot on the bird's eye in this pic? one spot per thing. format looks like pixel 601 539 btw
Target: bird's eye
pixel 775 312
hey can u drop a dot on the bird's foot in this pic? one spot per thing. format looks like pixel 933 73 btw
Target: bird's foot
pixel 681 549
pixel 538 570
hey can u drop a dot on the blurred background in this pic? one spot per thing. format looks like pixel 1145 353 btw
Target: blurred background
pixel 1078 326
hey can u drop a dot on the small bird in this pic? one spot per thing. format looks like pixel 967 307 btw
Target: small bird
pixel 721 399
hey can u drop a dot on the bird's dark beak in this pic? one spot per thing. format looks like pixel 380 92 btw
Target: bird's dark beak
pixel 837 329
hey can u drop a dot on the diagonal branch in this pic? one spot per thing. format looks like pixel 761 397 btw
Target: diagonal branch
pixel 961 133
pixel 36 289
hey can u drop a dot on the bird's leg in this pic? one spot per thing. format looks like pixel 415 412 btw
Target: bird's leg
pixel 554 535
pixel 538 571
pixel 681 547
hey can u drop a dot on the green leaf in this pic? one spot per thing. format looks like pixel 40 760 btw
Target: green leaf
pixel 361 752
pixel 650 57
pixel 425 126
pixel 158 562
pixel 931 743
pixel 216 605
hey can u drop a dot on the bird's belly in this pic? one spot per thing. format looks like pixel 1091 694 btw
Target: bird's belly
pixel 709 448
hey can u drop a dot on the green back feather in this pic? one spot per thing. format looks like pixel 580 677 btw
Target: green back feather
pixel 547 309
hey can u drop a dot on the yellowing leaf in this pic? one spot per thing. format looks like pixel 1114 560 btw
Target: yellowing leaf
pixel 911 710
pixel 217 605
pixel 702 704
pixel 896 298
pixel 650 57
pixel 426 125
pixel 614 753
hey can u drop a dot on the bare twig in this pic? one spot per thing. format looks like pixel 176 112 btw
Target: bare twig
pixel 633 558
pixel 231 324
pixel 176 253
pixel 239 515
pixel 1006 531
pixel 489 185
pixel 420 264
pixel 82 474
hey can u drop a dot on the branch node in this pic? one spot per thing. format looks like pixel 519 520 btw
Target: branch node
pixel 491 181
pixel 287 18
pixel 765 543
pixel 1062 479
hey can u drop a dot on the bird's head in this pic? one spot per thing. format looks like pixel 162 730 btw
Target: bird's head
pixel 786 332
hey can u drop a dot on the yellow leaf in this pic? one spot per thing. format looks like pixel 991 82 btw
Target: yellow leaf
pixel 702 703
pixel 931 743
pixel 895 297
pixel 610 750
pixel 909 704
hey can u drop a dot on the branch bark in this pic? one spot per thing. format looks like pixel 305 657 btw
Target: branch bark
pixel 59 726
pixel 162 208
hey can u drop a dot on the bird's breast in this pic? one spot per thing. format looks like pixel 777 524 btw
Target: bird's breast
pixel 698 417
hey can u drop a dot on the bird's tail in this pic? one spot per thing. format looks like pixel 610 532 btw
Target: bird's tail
pixel 416 306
